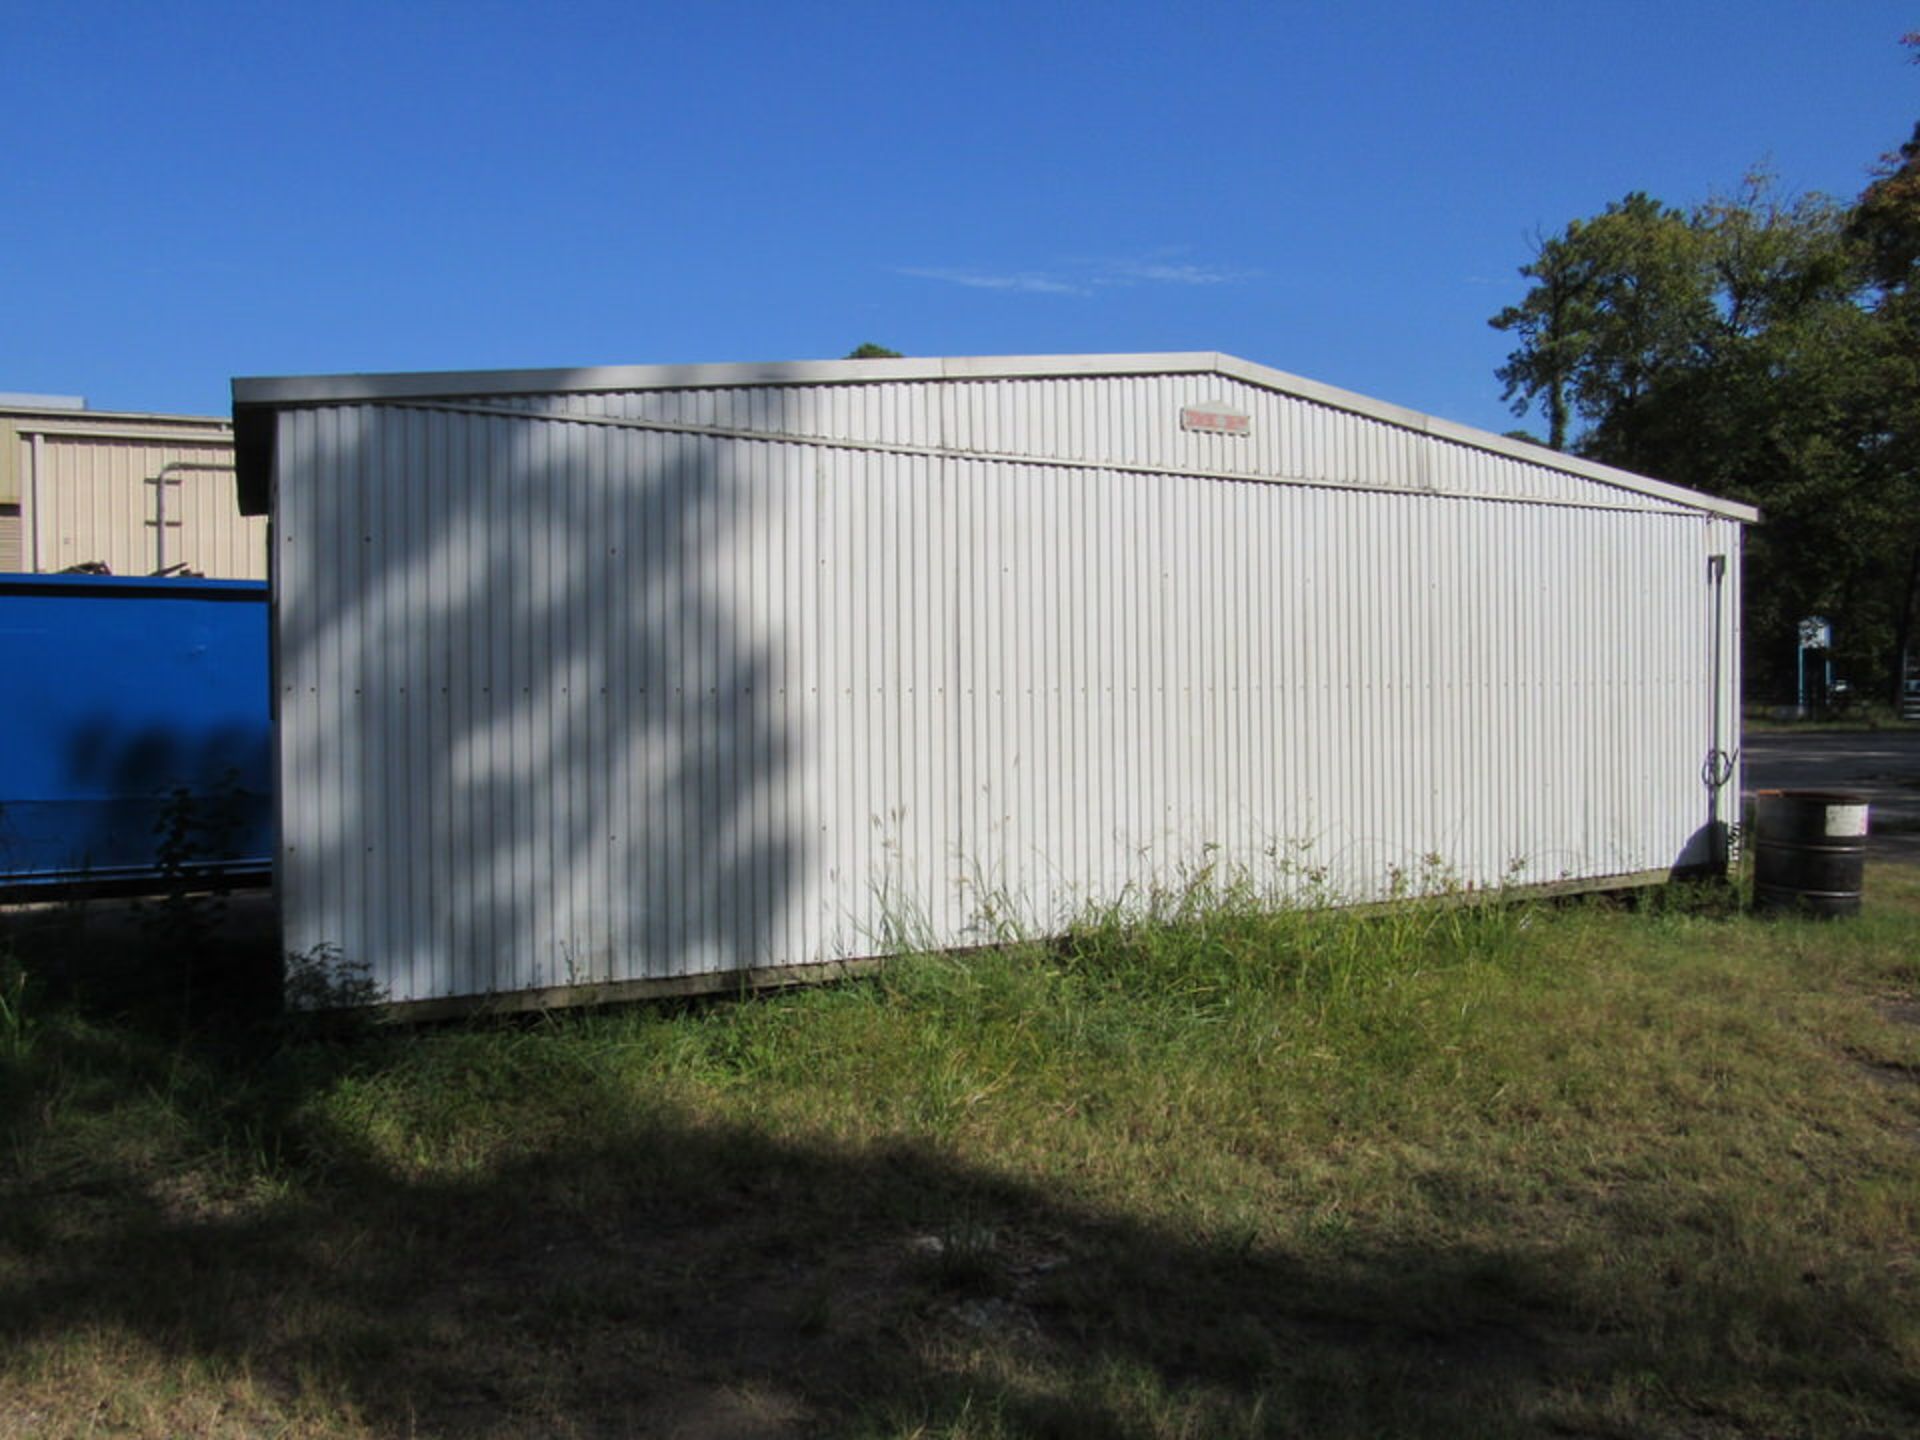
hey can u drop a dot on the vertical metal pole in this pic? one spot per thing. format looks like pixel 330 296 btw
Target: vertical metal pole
pixel 1719 766
pixel 33 505
pixel 160 521
pixel 160 482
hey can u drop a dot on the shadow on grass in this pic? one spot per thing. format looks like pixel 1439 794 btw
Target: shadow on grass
pixel 674 1275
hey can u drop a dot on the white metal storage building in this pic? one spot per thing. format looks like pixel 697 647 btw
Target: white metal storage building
pixel 640 678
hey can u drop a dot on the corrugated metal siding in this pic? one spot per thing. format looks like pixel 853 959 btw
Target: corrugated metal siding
pixel 1130 420
pixel 11 557
pixel 563 702
pixel 96 501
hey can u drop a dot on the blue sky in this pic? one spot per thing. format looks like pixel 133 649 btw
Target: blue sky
pixel 1343 190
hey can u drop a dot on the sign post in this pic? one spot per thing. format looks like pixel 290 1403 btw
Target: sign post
pixel 1815 634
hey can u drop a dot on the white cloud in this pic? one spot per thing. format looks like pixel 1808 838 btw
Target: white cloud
pixel 1028 281
pixel 1080 277
pixel 1162 272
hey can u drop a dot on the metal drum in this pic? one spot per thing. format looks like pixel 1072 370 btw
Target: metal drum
pixel 1810 851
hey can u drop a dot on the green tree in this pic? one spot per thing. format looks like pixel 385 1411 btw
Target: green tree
pixel 1731 348
pixel 1886 226
pixel 1615 304
pixel 1763 348
pixel 871 351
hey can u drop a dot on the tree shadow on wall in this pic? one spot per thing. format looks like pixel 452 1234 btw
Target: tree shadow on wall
pixel 527 740
pixel 150 798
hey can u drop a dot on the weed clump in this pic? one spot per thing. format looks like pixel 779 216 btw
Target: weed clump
pixel 324 979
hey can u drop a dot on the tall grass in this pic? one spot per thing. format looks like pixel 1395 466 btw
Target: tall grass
pixel 1195 1169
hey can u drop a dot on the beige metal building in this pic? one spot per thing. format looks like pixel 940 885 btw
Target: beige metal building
pixel 136 493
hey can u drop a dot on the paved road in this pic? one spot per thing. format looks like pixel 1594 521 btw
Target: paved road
pixel 1883 765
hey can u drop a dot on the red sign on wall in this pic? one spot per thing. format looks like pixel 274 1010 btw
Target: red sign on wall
pixel 1215 420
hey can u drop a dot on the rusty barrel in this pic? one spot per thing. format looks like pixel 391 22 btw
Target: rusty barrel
pixel 1809 852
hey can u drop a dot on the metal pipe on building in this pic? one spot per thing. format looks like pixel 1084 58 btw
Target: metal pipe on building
pixel 33 503
pixel 160 481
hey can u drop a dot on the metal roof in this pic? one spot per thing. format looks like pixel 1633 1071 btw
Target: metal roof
pixel 30 413
pixel 255 399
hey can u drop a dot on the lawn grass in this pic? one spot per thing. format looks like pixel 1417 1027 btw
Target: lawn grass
pixel 1473 1170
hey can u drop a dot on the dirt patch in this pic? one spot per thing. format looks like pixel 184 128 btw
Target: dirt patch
pixel 1901 1012
pixel 1889 1074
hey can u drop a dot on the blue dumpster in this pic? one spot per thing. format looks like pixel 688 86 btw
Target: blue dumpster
pixel 135 729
